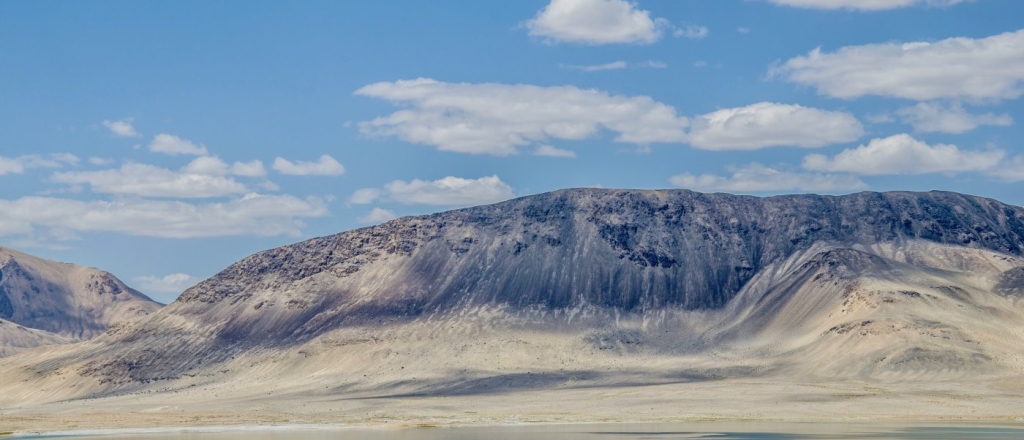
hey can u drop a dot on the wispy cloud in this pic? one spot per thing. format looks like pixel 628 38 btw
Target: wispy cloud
pixel 18 165
pixel 757 178
pixel 377 215
pixel 693 32
pixel 325 166
pixel 448 191
pixel 253 214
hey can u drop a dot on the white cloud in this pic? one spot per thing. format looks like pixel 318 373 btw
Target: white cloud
pixel 122 128
pixel 100 161
pixel 377 215
pixel 174 283
pixel 262 215
pixel 1009 170
pixel 206 166
pixel 173 145
pixel 902 154
pixel 985 69
pixel 767 124
pixel 194 181
pixel 248 169
pixel 596 22
pixel 614 65
pixel 743 30
pixel 549 151
pixel 755 178
pixel 449 191
pixel 214 166
pixel 325 166
pixel 863 5
pixel 495 119
pixel 927 117
pixel 692 32
pixel 18 165
pixel 364 196
pixel 879 118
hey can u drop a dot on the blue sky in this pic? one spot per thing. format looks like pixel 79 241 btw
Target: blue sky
pixel 164 141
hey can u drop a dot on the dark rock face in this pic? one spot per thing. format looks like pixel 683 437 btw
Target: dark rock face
pixel 633 250
pixel 6 308
pixel 1011 283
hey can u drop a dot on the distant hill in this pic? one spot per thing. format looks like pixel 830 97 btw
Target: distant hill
pixel 47 302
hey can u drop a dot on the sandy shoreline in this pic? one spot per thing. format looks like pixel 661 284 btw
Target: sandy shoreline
pixel 733 401
pixel 739 425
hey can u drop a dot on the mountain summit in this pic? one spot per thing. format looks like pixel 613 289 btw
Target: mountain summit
pixel 589 288
pixel 44 302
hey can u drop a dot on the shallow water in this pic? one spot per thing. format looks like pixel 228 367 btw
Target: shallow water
pixel 648 431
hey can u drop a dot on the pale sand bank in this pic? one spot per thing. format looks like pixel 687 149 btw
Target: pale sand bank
pixel 701 402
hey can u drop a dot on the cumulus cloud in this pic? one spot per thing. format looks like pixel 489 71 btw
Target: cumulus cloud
pixel 755 178
pixel 196 180
pixel 18 165
pixel 449 191
pixel 173 145
pixel 122 128
pixel 214 166
pixel 325 166
pixel 596 22
pixel 549 151
pixel 768 124
pixel 984 69
pixel 168 284
pixel 495 119
pixel 248 169
pixel 864 5
pixel 253 214
pixel 377 215
pixel 927 117
pixel 902 154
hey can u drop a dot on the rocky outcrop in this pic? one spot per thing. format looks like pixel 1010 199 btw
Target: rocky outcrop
pixel 633 250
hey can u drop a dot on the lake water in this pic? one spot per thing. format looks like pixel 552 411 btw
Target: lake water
pixel 657 431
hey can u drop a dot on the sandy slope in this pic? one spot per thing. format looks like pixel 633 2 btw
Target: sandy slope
pixel 909 332
pixel 15 338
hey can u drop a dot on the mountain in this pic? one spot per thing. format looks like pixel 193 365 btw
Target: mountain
pixel 16 338
pixel 589 289
pixel 47 302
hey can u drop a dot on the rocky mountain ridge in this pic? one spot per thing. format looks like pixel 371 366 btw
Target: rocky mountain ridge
pixel 604 286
